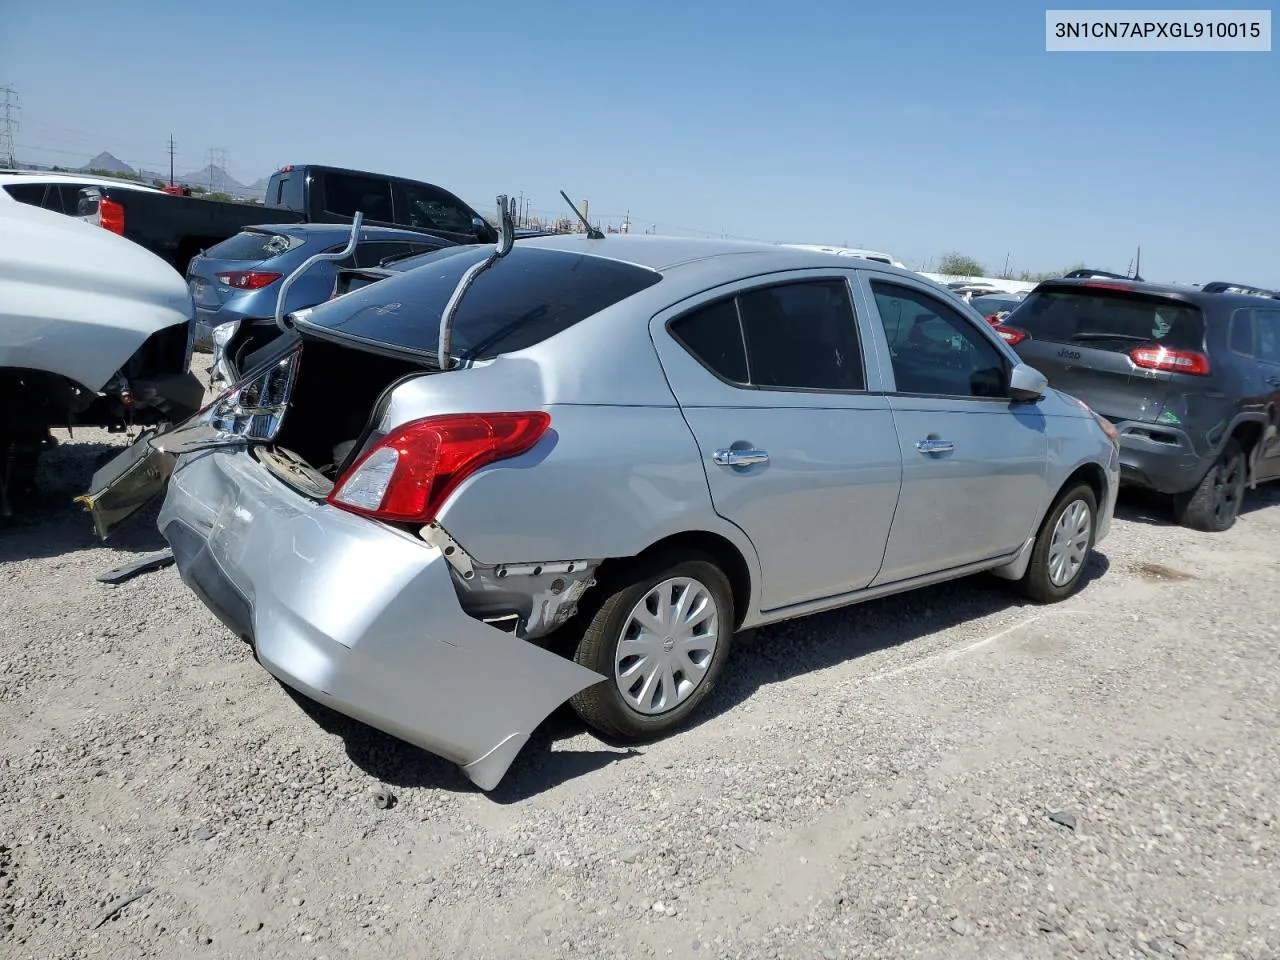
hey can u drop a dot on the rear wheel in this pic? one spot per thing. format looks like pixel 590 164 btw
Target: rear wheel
pixel 1062 547
pixel 661 636
pixel 1214 505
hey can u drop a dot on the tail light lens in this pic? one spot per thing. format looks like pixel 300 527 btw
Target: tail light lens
pixel 409 473
pixel 1173 361
pixel 111 216
pixel 1011 335
pixel 251 411
pixel 248 279
pixel 993 320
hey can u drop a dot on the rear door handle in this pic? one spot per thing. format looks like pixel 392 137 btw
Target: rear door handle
pixel 934 446
pixel 740 458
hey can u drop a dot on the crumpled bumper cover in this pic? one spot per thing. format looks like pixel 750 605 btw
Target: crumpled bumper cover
pixel 357 616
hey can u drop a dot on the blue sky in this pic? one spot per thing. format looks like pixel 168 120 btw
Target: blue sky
pixel 912 128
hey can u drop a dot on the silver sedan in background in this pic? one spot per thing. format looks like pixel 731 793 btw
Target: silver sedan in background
pixel 617 454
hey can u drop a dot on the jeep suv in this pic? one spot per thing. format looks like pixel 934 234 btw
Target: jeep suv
pixel 1189 377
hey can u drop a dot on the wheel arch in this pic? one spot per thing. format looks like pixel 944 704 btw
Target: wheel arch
pixel 1248 431
pixel 727 555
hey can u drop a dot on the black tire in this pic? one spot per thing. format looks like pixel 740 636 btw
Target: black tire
pixel 1037 583
pixel 602 706
pixel 1214 505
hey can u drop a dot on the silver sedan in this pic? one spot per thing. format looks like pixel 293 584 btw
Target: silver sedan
pixel 492 480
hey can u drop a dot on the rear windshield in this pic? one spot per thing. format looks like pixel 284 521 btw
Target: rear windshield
pixel 1109 319
pixel 522 299
pixel 253 245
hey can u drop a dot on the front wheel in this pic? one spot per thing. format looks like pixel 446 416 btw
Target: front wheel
pixel 661 636
pixel 1062 547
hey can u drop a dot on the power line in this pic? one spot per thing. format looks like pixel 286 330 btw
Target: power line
pixel 217 159
pixel 9 123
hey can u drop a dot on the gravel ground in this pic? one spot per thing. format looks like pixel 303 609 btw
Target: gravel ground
pixel 949 774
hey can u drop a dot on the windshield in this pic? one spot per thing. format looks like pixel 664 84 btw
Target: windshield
pixel 522 299
pixel 1109 319
pixel 253 245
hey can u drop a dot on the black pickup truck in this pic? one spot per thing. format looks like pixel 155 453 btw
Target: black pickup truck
pixel 176 228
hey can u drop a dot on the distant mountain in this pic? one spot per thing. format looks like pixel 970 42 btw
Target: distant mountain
pixel 216 180
pixel 110 163
pixel 212 178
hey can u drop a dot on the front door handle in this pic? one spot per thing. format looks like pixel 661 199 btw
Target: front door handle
pixel 1274 381
pixel 934 446
pixel 740 458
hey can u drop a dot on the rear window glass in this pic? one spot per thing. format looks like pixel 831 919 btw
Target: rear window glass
pixel 1109 319
pixel 522 299
pixel 253 245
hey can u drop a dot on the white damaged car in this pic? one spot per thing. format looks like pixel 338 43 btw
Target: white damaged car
pixel 94 331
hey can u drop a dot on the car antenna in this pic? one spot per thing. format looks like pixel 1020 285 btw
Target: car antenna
pixel 312 261
pixel 506 237
pixel 1137 263
pixel 592 232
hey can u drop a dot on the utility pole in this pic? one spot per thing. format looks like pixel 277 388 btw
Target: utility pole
pixel 171 160
pixel 520 208
pixel 8 123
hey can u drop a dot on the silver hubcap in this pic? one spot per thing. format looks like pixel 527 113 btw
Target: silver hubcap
pixel 1070 542
pixel 666 646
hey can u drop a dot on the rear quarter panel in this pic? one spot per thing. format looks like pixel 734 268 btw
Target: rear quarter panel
pixel 618 471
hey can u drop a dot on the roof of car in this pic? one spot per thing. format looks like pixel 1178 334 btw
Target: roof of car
pixel 665 253
pixel 1189 294
pixel 62 176
pixel 340 230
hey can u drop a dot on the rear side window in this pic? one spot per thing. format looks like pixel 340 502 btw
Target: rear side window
pixel 30 193
pixel 1113 320
pixel 1242 333
pixel 714 336
pixel 1268 335
pixel 522 299
pixel 345 194
pixel 253 245
pixel 798 336
pixel 288 192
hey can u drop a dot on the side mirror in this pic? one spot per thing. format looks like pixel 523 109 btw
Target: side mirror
pixel 1027 384
pixel 480 227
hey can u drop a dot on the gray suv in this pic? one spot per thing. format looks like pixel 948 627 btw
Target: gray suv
pixel 1190 378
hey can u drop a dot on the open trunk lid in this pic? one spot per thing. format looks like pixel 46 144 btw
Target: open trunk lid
pixel 1082 337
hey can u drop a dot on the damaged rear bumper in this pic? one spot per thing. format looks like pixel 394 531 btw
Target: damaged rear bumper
pixel 357 616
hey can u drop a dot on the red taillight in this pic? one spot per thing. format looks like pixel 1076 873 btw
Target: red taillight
pixel 1109 286
pixel 248 279
pixel 1011 335
pixel 111 216
pixel 1173 361
pixel 993 320
pixel 410 472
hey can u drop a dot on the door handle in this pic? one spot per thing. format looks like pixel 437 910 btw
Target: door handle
pixel 934 446
pixel 740 458
pixel 1274 381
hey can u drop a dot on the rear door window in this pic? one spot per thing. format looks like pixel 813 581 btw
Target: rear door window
pixel 373 252
pixel 790 336
pixel 253 245
pixel 522 299
pixel 1114 320
pixel 802 336
pixel 425 208
pixel 345 194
